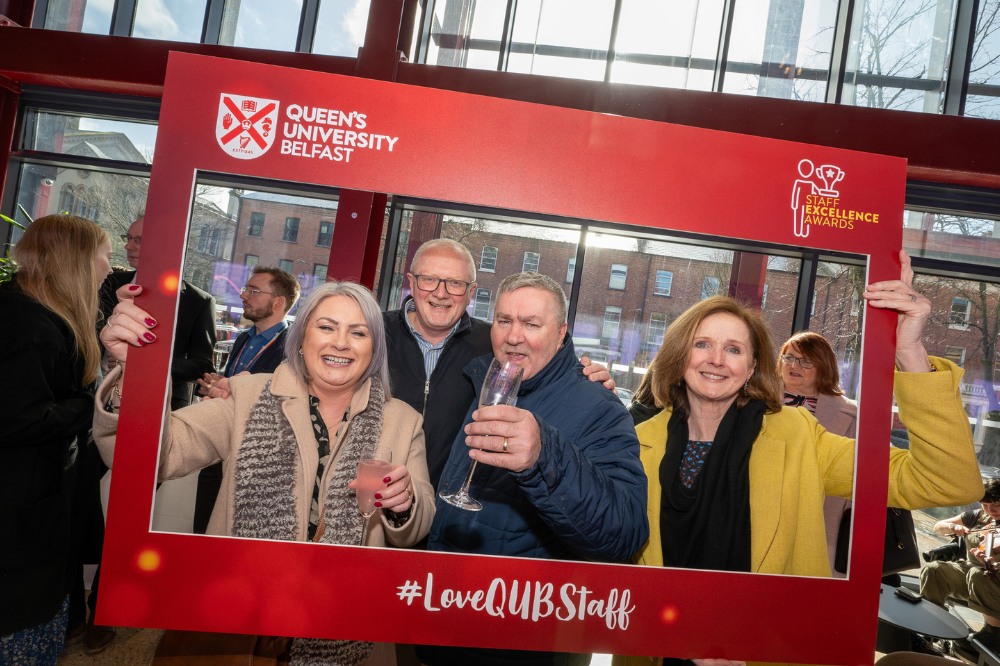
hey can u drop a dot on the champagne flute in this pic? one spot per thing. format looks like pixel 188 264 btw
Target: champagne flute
pixel 499 388
pixel 372 469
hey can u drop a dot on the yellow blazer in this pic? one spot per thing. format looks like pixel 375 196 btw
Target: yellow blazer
pixel 795 462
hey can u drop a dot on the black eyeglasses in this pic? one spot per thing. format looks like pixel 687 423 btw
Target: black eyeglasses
pixel 253 291
pixel 453 287
pixel 788 359
pixel 135 239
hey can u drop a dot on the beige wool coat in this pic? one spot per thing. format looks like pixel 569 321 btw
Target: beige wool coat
pixel 212 430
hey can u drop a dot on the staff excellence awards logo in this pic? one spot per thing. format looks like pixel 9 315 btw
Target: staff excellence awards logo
pixel 245 126
pixel 816 201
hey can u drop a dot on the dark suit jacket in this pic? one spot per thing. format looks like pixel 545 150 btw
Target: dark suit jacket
pixel 269 359
pixel 194 333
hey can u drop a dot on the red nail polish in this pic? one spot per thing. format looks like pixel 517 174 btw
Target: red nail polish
pixel 150 321
pixel 378 495
pixel 149 336
pixel 378 504
pixel 387 479
pixel 133 287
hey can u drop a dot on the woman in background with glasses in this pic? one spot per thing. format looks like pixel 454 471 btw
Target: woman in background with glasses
pixel 811 379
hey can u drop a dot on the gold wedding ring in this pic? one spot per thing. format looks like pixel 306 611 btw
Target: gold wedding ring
pixel 505 445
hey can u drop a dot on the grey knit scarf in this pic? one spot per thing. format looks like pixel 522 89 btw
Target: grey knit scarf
pixel 265 498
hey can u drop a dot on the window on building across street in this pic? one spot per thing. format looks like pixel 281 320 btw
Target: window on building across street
pixel 959 316
pixel 664 280
pixel 709 286
pixel 612 322
pixel 530 263
pixel 325 237
pixel 481 306
pixel 287 265
pixel 955 354
pixel 319 273
pixel 256 227
pixel 570 269
pixel 619 274
pixel 488 259
pixel 291 234
pixel 251 260
pixel 657 327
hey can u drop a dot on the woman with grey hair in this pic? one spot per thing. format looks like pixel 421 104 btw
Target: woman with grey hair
pixel 321 411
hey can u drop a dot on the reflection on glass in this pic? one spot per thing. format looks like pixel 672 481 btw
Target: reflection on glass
pixel 90 137
pixel 898 55
pixel 340 27
pixel 781 48
pixel 961 238
pixel 837 314
pixel 175 20
pixel 261 24
pixel 235 230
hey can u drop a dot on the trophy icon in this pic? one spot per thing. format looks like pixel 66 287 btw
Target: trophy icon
pixel 830 175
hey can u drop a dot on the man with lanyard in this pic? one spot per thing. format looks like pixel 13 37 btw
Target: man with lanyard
pixel 267 297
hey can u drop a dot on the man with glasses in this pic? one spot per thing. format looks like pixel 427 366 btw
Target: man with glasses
pixel 974 578
pixel 267 297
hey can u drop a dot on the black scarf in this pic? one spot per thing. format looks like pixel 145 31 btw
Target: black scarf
pixel 708 526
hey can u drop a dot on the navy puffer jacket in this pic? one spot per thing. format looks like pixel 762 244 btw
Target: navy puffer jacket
pixel 585 497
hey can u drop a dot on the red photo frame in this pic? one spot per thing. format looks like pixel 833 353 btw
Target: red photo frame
pixel 229 117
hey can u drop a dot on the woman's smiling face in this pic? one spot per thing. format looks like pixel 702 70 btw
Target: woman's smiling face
pixel 337 346
pixel 720 361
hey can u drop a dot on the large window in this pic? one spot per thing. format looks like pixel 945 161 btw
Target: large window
pixel 898 57
pixel 331 27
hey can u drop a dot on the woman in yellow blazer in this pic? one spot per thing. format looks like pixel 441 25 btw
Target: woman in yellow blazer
pixel 724 439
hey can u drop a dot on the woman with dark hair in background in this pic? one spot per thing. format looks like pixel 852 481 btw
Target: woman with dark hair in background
pixel 811 379
pixel 49 348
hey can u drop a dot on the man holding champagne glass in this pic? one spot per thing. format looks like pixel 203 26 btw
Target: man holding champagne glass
pixel 559 474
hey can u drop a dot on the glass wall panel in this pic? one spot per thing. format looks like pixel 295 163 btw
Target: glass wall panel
pixel 90 137
pixel 983 97
pixel 340 27
pixel 175 20
pixel 898 54
pixel 781 48
pixel 466 34
pixel 112 200
pixel 667 44
pixel 261 24
pixel 562 38
pixel 90 16
pixel 965 239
